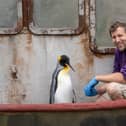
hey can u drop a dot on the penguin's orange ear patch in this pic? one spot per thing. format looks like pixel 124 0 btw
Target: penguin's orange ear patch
pixel 59 58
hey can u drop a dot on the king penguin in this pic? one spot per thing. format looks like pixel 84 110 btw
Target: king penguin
pixel 61 89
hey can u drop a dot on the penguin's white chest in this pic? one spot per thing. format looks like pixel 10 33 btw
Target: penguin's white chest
pixel 64 89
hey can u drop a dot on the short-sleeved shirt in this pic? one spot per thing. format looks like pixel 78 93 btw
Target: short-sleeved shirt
pixel 120 62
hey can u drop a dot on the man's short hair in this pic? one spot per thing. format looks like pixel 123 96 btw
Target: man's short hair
pixel 115 25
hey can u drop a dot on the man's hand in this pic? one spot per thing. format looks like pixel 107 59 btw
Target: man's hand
pixel 89 89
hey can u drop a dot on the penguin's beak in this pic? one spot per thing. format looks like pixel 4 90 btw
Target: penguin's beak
pixel 71 67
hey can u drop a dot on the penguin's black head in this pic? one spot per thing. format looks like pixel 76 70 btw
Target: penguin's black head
pixel 64 61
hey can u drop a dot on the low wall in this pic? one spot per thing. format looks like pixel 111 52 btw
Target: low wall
pixel 79 114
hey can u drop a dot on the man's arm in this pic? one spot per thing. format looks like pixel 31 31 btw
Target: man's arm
pixel 113 77
pixel 90 90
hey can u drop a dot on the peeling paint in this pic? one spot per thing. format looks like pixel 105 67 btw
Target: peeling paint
pixel 14 72
pixel 16 94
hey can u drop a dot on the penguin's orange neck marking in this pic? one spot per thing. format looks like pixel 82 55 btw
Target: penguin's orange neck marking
pixel 66 69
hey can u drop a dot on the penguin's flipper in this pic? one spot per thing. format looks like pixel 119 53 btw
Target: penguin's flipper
pixel 74 96
pixel 53 88
pixel 53 85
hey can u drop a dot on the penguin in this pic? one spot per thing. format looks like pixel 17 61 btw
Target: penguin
pixel 61 89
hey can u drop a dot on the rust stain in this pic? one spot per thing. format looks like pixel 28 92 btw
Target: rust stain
pixel 81 70
pixel 16 94
pixel 29 43
pixel 88 46
pixel 101 56
pixel 80 66
pixel 19 25
pixel 19 61
pixel 29 38
pixel 84 67
pixel 15 89
pixel 87 51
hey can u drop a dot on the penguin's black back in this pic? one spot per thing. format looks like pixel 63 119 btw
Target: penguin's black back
pixel 54 84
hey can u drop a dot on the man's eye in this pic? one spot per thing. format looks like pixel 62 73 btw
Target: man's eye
pixel 119 35
pixel 113 37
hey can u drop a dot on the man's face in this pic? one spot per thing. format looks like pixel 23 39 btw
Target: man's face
pixel 119 38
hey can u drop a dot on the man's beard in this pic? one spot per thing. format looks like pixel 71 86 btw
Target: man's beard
pixel 122 47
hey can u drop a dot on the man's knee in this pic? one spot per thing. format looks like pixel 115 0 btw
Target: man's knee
pixel 114 91
pixel 111 88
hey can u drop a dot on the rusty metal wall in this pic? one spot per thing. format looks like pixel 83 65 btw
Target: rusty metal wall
pixel 27 62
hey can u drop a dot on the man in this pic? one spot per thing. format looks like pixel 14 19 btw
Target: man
pixel 115 82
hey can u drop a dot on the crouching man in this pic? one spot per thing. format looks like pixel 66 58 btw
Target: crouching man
pixel 114 84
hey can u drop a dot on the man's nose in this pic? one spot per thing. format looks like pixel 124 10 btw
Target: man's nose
pixel 117 39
